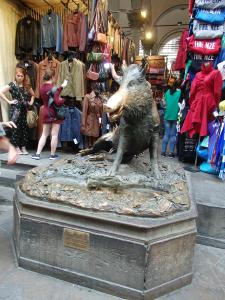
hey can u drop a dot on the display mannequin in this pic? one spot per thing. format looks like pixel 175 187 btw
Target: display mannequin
pixel 204 98
pixel 92 115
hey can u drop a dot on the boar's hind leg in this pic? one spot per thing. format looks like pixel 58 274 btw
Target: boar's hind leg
pixel 99 145
pixel 119 156
pixel 153 151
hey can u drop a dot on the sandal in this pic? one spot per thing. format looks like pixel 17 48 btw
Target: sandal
pixel 19 151
pixel 24 151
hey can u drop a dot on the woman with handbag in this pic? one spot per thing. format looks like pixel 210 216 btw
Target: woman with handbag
pixel 51 124
pixel 22 95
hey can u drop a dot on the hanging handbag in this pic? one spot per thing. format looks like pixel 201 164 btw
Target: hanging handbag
pixel 100 37
pixel 94 57
pixel 32 117
pixel 91 74
pixel 106 50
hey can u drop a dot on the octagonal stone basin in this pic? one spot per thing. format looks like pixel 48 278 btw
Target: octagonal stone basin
pixel 129 236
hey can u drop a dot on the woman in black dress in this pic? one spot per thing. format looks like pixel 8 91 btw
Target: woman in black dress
pixel 22 95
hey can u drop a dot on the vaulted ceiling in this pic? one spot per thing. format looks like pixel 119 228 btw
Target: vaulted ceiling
pixel 166 18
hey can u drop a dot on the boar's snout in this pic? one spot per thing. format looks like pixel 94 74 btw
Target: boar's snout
pixel 116 101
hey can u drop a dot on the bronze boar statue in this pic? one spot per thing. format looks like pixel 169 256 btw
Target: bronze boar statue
pixel 139 122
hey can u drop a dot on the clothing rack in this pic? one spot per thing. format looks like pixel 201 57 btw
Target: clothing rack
pixel 59 8
pixel 48 4
pixel 122 33
pixel 66 5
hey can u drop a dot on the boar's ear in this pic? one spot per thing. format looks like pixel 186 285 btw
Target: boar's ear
pixel 124 68
pixel 144 68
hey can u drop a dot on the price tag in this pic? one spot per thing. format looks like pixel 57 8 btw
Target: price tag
pixel 75 141
pixel 100 120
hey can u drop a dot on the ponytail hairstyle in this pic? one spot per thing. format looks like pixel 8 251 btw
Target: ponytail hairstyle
pixel 49 74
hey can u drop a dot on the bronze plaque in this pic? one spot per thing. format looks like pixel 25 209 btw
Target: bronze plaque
pixel 76 239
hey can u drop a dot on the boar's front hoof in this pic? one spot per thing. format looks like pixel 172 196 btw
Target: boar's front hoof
pixel 157 175
pixel 156 172
pixel 112 172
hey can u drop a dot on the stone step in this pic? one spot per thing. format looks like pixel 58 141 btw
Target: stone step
pixel 208 193
pixel 8 177
pixel 17 166
pixel 6 195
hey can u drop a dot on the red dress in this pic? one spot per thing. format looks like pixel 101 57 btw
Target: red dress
pixel 205 96
pixel 190 6
pixel 182 54
pixel 48 114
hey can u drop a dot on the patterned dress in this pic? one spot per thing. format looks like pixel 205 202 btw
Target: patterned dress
pixel 18 114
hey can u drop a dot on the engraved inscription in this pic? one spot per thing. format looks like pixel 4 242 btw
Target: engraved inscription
pixel 76 239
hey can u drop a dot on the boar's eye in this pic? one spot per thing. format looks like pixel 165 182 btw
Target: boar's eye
pixel 132 83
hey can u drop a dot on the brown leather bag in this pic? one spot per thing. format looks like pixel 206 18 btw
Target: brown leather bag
pixel 32 117
pixel 101 38
pixel 99 35
pixel 91 74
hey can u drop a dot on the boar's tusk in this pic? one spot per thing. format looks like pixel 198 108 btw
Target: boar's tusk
pixel 124 67
pixel 107 109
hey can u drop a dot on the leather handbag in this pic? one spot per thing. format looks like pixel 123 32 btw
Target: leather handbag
pixel 94 57
pixel 91 74
pixel 106 50
pixel 32 117
pixel 100 37
pixel 60 111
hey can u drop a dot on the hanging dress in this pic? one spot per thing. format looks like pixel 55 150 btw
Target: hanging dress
pixel 204 98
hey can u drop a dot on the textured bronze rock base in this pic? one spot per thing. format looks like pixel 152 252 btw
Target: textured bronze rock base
pixel 129 256
pixel 82 182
